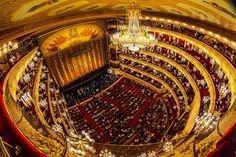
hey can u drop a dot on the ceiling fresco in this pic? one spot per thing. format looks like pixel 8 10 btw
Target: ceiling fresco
pixel 220 12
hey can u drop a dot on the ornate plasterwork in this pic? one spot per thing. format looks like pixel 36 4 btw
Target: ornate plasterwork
pixel 69 37
pixel 21 11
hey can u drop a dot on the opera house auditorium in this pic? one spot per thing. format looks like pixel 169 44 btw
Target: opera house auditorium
pixel 117 78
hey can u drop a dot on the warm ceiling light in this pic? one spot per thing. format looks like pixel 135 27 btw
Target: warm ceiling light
pixel 169 20
pixel 217 35
pixel 161 19
pixel 9 43
pixel 184 24
pixel 177 22
pixel 225 39
pixel 147 18
pixel 233 43
pixel 193 27
pixel 15 46
pixel 154 18
pixel 201 29
pixel 4 50
pixel 133 36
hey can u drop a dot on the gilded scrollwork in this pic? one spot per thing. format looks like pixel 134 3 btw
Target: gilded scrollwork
pixel 6 9
pixel 13 12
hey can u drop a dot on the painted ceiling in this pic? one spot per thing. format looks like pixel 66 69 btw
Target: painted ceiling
pixel 221 12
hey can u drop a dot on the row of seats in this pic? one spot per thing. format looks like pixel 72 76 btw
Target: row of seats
pixel 119 115
pixel 214 42
pixel 223 93
pixel 51 104
pixel 218 76
pixel 31 124
pixel 59 106
pixel 25 86
pixel 171 108
pixel 23 49
pixel 167 66
pixel 89 89
pixel 14 55
pixel 159 75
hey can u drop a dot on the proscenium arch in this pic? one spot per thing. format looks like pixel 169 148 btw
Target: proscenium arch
pixel 70 36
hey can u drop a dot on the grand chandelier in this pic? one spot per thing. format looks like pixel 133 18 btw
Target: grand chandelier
pixel 133 36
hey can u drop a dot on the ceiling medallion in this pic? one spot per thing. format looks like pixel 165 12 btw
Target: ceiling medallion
pixel 133 36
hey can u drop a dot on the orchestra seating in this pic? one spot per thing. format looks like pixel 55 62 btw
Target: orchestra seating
pixel 120 115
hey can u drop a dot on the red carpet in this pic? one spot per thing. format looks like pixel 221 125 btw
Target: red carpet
pixel 138 114
pixel 89 118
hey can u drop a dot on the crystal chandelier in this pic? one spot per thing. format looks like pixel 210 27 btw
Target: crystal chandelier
pixel 134 37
